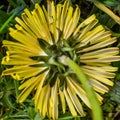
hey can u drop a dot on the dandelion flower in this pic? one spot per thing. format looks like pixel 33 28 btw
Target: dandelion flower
pixel 40 38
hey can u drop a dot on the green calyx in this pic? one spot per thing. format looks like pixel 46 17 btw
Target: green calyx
pixel 52 59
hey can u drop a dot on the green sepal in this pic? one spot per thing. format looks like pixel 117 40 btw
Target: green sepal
pixel 62 82
pixel 45 46
pixel 38 65
pixel 40 58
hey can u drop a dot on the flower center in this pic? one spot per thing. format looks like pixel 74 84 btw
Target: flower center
pixel 54 52
pixel 61 49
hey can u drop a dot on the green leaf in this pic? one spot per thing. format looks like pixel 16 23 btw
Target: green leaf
pixel 21 2
pixel 3 17
pixel 108 107
pixel 20 115
pixel 37 1
pixel 115 92
pixel 69 117
pixel 18 10
pixel 7 100
pixel 12 3
pixel 31 112
pixel 111 2
pixel 37 117
pixel 5 25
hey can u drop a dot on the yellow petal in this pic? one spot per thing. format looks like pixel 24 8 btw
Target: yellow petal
pixel 41 101
pixel 97 86
pixel 109 68
pixel 54 99
pixel 25 39
pixel 100 53
pixel 41 79
pixel 40 17
pixel 58 15
pixel 29 21
pixel 14 46
pixel 87 28
pixel 24 94
pixel 46 100
pixel 99 98
pixel 99 37
pixel 26 28
pixel 63 102
pixel 69 102
pixel 42 27
pixel 107 59
pixel 18 60
pixel 90 34
pixel 72 23
pixel 63 14
pixel 99 78
pixel 75 100
pixel 23 71
pixel 79 91
pixel 100 71
pixel 84 23
pixel 67 21
pixel 99 45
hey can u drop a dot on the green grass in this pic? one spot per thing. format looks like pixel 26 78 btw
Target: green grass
pixel 9 108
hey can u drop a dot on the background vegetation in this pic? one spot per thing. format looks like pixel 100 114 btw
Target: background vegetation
pixel 9 108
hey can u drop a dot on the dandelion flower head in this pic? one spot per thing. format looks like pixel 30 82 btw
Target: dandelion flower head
pixel 40 38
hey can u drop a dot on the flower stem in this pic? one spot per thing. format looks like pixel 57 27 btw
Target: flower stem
pixel 96 109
